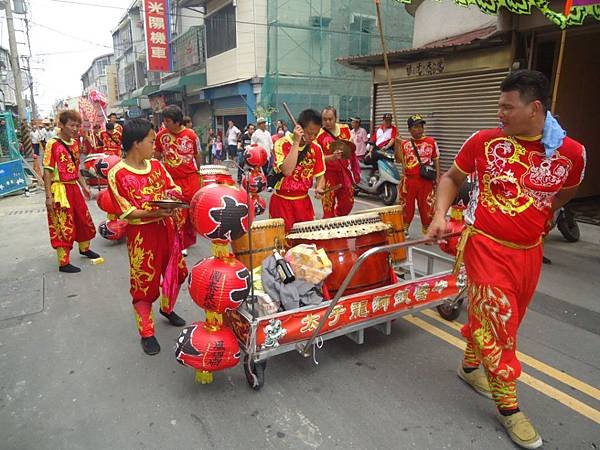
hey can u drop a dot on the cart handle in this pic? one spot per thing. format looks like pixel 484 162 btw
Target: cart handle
pixel 304 350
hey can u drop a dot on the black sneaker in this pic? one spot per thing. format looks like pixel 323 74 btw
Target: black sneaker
pixel 150 345
pixel 69 268
pixel 90 254
pixel 173 318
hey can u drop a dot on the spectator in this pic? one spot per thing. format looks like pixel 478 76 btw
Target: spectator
pixel 210 141
pixel 187 122
pixel 245 141
pixel 263 138
pixel 232 137
pixel 217 149
pixel 359 137
pixel 36 136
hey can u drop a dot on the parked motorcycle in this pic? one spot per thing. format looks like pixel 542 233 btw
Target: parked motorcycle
pixel 383 181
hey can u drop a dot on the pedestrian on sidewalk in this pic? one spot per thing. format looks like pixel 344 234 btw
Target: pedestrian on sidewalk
pixel 153 242
pixel 69 219
pixel 245 142
pixel 262 137
pixel 232 137
pixel 524 170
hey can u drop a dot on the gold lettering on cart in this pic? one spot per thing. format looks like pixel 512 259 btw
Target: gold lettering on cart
pixel 359 310
pixel 335 315
pixel 421 292
pixel 401 297
pixel 440 286
pixel 310 322
pixel 381 303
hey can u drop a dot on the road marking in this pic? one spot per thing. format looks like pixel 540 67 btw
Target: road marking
pixel 532 362
pixel 544 388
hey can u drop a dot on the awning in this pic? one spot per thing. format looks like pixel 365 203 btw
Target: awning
pixel 144 91
pixel 481 38
pixel 177 84
pixel 128 102
pixel 578 9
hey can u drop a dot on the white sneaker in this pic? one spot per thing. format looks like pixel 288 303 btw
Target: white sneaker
pixel 184 252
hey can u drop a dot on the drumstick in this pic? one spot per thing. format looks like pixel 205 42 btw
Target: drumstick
pixel 289 113
pixel 332 189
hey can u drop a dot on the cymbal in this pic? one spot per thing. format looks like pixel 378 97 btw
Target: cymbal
pixel 347 147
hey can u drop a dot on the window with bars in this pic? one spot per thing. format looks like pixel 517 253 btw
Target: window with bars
pixel 220 31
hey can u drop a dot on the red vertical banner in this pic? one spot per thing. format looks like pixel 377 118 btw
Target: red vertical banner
pixel 158 35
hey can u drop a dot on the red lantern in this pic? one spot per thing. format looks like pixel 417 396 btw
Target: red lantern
pixel 220 212
pixel 205 348
pixel 456 224
pixel 106 163
pixel 256 156
pixel 107 204
pixel 113 230
pixel 219 284
pixel 260 205
pixel 254 181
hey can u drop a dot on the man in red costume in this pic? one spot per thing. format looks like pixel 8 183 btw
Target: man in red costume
pixel 298 160
pixel 339 171
pixel 524 171
pixel 111 139
pixel 153 242
pixel 69 219
pixel 414 186
pixel 112 118
pixel 179 149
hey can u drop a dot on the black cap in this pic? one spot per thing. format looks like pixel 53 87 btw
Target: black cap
pixel 415 119
pixel 387 116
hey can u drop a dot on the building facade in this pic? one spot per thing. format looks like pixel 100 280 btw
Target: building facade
pixel 100 76
pixel 460 55
pixel 8 101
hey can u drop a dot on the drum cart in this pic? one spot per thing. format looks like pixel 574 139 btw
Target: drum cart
pixel 421 284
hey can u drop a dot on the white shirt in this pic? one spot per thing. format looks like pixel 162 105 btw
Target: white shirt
pixel 232 135
pixel 36 136
pixel 263 138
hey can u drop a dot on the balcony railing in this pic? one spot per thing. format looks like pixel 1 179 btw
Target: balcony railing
pixel 188 50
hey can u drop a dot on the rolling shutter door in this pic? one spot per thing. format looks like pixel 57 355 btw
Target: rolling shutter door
pixel 239 111
pixel 453 106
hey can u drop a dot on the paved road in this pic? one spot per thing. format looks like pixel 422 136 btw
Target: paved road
pixel 73 376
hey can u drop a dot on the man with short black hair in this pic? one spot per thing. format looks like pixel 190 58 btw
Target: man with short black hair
pixel 179 149
pixel 298 159
pixel 232 136
pixel 524 170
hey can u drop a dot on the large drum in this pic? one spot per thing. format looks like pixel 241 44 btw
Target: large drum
pixel 266 236
pixel 214 174
pixel 392 215
pixel 89 170
pixel 345 239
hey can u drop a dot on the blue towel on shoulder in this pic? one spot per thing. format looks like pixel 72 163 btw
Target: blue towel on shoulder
pixel 553 135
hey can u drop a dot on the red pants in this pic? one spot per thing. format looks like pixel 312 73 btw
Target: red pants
pixel 502 281
pixel 149 247
pixel 189 186
pixel 415 188
pixel 67 225
pixel 340 202
pixel 291 211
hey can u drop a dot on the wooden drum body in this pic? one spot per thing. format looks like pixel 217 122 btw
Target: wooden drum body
pixel 214 174
pixel 344 239
pixel 266 236
pixel 392 215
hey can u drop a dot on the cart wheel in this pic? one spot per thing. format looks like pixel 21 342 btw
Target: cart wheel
pixel 449 312
pixel 256 370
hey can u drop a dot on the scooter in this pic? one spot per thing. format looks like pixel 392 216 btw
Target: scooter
pixel 382 182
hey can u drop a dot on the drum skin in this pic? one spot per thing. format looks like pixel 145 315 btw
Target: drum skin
pixel 343 253
pixel 266 236
pixel 392 215
pixel 214 175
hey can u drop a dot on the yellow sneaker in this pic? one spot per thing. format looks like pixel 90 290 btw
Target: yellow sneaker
pixel 476 379
pixel 520 430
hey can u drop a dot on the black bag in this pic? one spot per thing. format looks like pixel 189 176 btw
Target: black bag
pixel 426 171
pixel 274 177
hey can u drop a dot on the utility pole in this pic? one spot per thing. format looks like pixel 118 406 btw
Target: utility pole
pixel 14 59
pixel 34 113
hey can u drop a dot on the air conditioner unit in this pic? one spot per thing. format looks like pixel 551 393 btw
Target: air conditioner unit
pixel 319 21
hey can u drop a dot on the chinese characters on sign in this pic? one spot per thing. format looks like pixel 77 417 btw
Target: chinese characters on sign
pixel 157 35
pixel 425 68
